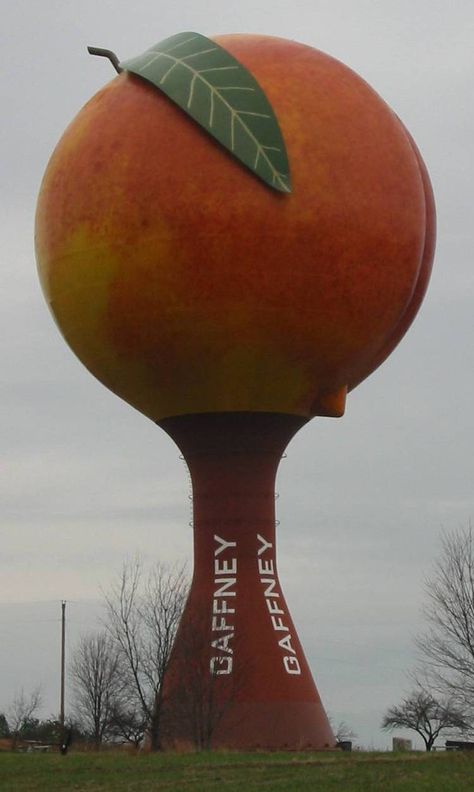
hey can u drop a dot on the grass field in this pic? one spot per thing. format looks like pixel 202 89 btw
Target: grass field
pixel 232 772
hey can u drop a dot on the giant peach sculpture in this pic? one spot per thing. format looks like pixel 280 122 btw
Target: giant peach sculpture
pixel 232 309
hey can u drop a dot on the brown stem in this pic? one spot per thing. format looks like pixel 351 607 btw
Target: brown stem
pixel 106 53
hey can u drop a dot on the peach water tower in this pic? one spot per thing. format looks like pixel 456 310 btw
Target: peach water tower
pixel 231 235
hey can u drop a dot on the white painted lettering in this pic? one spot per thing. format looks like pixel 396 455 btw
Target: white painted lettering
pixel 265 566
pixel 225 567
pixel 285 643
pixel 223 591
pixel 221 665
pixel 264 545
pixel 271 586
pixel 219 624
pixel 292 665
pixel 274 606
pixel 278 624
pixel 221 661
pixel 222 643
pixel 267 570
pixel 224 608
pixel 223 545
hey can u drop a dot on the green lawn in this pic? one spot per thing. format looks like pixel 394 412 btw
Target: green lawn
pixel 238 772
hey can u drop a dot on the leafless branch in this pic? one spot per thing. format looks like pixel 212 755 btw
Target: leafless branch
pixel 143 612
pixel 22 708
pixel 446 647
pixel 427 716
pixel 97 683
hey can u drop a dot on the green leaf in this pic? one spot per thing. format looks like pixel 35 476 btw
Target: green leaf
pixel 211 86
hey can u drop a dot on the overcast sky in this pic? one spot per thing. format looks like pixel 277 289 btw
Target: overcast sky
pixel 87 481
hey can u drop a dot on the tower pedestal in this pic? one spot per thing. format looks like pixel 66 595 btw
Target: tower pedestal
pixel 238 676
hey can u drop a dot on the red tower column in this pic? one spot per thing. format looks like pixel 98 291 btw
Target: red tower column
pixel 238 676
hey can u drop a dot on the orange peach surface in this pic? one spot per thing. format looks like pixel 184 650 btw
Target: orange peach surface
pixel 186 285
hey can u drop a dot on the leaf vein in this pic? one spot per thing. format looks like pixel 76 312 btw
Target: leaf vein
pixel 232 132
pixel 181 43
pixel 173 66
pixel 218 68
pixel 235 88
pixel 211 114
pixel 215 91
pixel 201 52
pixel 251 113
pixel 191 91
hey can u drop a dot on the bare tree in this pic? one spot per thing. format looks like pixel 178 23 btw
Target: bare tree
pixel 425 715
pixel 343 732
pixel 21 710
pixel 202 687
pixel 447 646
pixel 127 721
pixel 97 682
pixel 143 613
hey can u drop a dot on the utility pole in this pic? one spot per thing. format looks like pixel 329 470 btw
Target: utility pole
pixel 63 659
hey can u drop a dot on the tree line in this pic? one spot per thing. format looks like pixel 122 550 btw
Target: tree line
pixel 117 674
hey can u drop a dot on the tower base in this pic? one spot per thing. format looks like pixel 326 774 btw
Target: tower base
pixel 238 677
